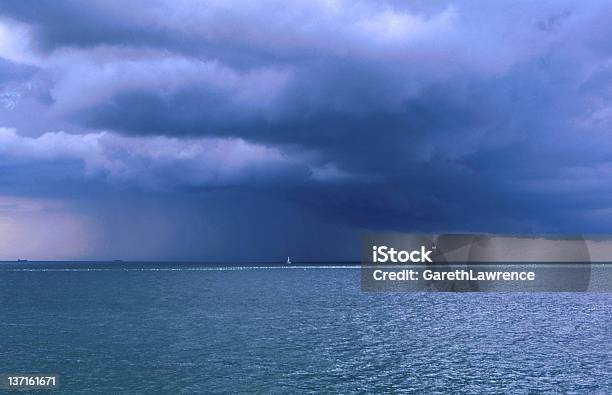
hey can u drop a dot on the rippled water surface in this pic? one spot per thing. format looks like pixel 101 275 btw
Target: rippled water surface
pixel 294 330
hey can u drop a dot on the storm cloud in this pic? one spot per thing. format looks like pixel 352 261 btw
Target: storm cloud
pixel 351 116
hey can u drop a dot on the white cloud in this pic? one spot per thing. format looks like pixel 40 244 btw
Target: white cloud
pixel 160 162
pixel 15 43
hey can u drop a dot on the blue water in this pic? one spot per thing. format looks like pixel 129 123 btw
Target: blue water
pixel 294 330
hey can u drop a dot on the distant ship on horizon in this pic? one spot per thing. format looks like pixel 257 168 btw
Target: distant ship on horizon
pixel 288 261
pixel 22 260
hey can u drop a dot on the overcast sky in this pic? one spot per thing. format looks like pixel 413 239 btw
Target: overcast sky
pixel 256 130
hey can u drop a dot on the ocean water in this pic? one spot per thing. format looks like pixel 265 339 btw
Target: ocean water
pixel 200 329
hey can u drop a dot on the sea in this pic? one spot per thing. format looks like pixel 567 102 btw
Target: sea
pixel 176 328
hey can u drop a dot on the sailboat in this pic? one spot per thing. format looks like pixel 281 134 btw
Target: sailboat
pixel 288 261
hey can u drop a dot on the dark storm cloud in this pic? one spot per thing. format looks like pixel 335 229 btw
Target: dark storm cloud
pixel 12 71
pixel 448 115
